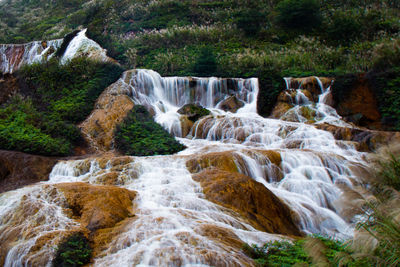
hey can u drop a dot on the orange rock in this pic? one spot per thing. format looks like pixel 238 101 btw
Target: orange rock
pixel 280 109
pixel 98 207
pixel 222 160
pixel 110 109
pixel 249 198
pixel 186 125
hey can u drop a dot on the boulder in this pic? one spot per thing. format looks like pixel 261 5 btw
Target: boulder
pixel 18 169
pixel 231 104
pixel 97 206
pixel 193 111
pixel 252 200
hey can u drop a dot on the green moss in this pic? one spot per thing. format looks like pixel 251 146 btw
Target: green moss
pixel 73 251
pixel 140 135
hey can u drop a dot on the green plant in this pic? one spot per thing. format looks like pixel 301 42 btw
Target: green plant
pixel 206 63
pixel 140 135
pixel 73 251
pixel 298 14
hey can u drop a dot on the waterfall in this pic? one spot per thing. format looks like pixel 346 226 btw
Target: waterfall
pixel 303 166
pixel 13 56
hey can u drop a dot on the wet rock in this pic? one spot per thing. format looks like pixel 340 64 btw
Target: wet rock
pixel 367 140
pixel 18 169
pixel 193 111
pixel 96 206
pixel 250 199
pixel 186 125
pixel 222 160
pixel 231 104
pixel 280 109
pixel 311 84
pixel 111 108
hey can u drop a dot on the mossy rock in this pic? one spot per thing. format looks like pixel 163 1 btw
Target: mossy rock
pixel 140 135
pixel 193 111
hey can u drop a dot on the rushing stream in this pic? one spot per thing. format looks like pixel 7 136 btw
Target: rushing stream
pixel 171 209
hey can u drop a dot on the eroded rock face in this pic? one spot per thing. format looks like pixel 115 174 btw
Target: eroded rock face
pixel 110 109
pixel 96 206
pixel 357 103
pixel 18 169
pixel 249 198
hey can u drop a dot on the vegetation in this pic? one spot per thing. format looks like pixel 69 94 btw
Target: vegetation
pixel 140 135
pixel 53 98
pixel 73 251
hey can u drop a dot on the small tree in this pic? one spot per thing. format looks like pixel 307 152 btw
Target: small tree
pixel 299 14
pixel 206 63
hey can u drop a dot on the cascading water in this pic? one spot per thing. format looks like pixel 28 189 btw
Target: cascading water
pixel 171 209
pixel 13 56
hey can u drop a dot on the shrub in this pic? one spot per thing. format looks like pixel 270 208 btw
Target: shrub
pixel 73 251
pixel 139 135
pixel 298 14
pixel 206 63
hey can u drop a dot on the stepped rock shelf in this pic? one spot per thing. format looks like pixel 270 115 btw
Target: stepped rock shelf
pixel 243 178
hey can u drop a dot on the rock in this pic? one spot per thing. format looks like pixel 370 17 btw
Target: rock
pixel 193 111
pixel 18 169
pixel 311 84
pixel 250 199
pixel 367 140
pixel 111 108
pixel 222 160
pixel 231 104
pixel 186 125
pixel 98 206
pixel 357 102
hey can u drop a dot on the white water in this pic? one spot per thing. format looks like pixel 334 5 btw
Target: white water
pixel 13 56
pixel 322 111
pixel 171 209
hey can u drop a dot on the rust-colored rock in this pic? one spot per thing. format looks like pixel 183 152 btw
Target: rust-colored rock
pixel 311 84
pixel 222 160
pixel 250 199
pixel 360 105
pixel 186 125
pixel 280 109
pixel 97 206
pixel 18 169
pixel 110 109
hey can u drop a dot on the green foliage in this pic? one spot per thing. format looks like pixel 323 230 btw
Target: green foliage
pixel 284 253
pixel 73 251
pixel 386 85
pixel 250 21
pixel 206 63
pixel 139 135
pixel 54 98
pixel 298 14
pixel 389 173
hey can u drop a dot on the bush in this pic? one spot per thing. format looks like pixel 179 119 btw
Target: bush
pixel 206 63
pixel 73 251
pixel 54 98
pixel 299 14
pixel 140 135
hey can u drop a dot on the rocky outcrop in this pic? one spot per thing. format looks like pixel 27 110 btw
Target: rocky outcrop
pixel 97 206
pixel 356 101
pixel 250 199
pixel 193 111
pixel 364 139
pixel 110 109
pixel 231 104
pixel 19 169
